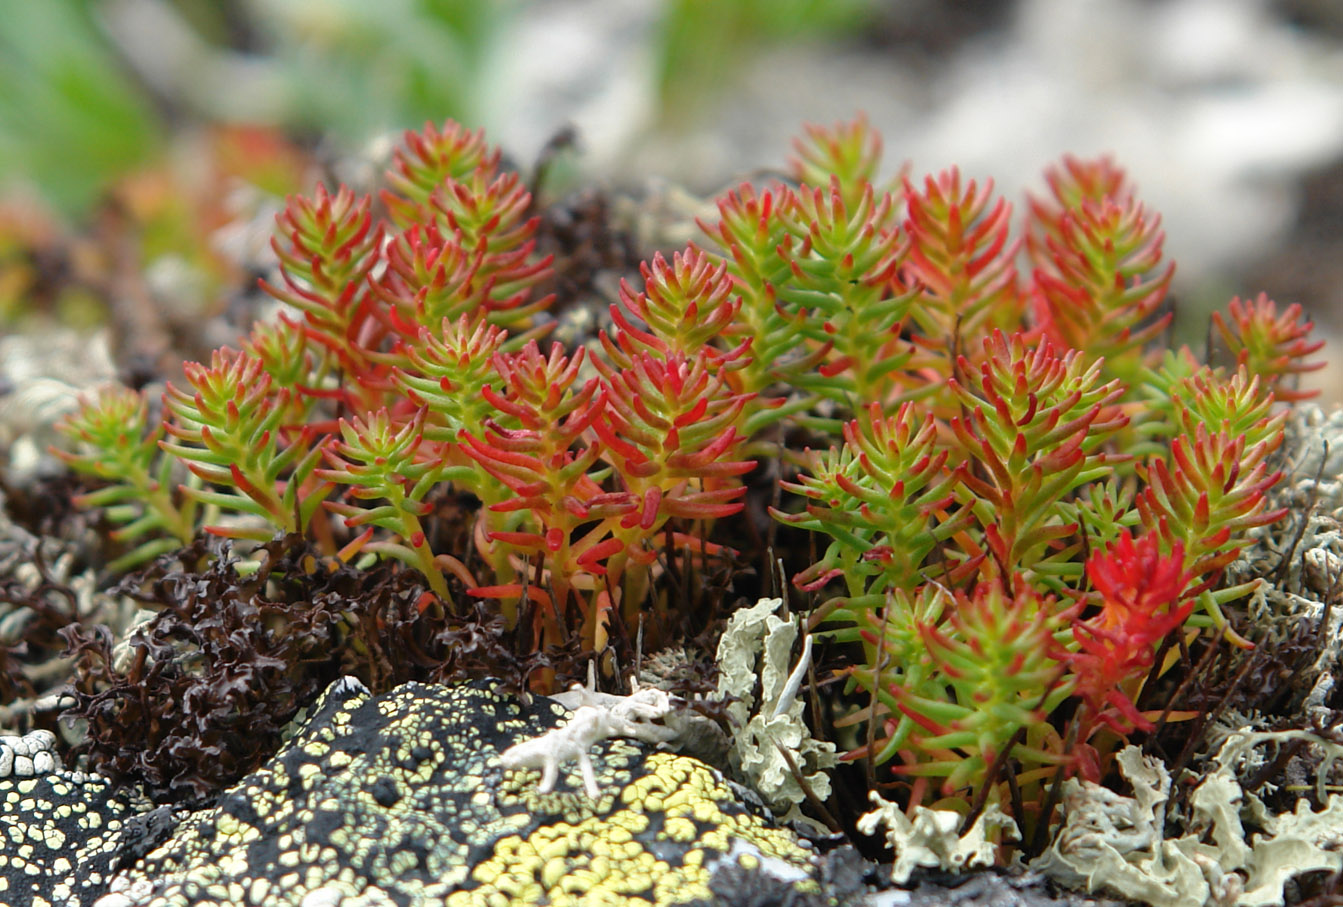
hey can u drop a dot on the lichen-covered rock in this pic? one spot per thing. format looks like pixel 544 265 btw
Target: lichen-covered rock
pixel 400 799
pixel 60 833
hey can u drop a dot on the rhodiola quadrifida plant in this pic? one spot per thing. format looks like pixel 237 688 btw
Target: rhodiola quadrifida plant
pixel 1020 504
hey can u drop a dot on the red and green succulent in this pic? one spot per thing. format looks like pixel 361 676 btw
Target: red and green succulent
pixel 1017 498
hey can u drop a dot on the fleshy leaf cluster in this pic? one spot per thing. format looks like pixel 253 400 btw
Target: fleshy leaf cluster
pixel 1018 505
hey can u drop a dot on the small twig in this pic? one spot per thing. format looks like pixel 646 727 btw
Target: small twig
pixel 1055 794
pixel 564 139
pixel 982 796
pixel 1207 718
pixel 1282 755
pixel 777 578
pixel 772 530
pixel 1014 791
pixel 1280 572
pixel 870 761
pixel 1175 697
pixel 666 557
pixel 1330 597
pixel 1155 671
pixel 639 646
pixel 830 821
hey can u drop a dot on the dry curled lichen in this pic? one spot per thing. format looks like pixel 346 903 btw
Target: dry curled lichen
pixel 1303 558
pixel 231 649
pixel 933 838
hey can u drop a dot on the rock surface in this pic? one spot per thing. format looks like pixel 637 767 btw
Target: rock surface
pixel 399 799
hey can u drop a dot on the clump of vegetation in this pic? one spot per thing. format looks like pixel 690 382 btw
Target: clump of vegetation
pixel 200 696
pixel 1010 511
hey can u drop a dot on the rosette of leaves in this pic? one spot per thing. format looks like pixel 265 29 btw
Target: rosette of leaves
pixel 1270 344
pixel 1141 597
pixel 545 462
pixel 436 273
pixel 379 461
pixel 843 260
pixel 961 263
pixel 426 160
pixel 231 434
pixel 112 440
pixel 995 674
pixel 1099 282
pixel 849 153
pixel 444 374
pixel 327 247
pixel 1212 487
pixel 749 232
pixel 670 429
pixel 686 305
pixel 1034 431
pixel 885 498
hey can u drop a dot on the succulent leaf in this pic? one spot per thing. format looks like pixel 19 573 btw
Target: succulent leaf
pixel 228 429
pixel 111 439
pixel 1269 344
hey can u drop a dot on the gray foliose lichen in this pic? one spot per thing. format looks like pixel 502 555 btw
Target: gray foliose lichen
pixel 754 662
pixel 1232 850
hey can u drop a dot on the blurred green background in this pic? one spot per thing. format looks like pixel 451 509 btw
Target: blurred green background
pixel 146 144
pixel 93 89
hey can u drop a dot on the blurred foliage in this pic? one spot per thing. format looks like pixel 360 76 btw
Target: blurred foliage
pixel 166 239
pixel 703 42
pixel 354 69
pixel 82 103
pixel 70 116
pixel 75 114
pixel 128 127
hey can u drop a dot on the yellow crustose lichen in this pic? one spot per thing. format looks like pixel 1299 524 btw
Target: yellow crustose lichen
pixel 402 798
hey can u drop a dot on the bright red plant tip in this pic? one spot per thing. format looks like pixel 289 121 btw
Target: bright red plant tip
pixel 1142 590
pixel 687 304
pixel 1099 283
pixel 433 155
pixel 1144 597
pixel 961 258
pixel 849 152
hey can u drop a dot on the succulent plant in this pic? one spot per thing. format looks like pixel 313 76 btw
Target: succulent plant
pixel 1015 501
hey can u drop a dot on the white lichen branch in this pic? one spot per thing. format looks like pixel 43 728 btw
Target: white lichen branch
pixel 794 684
pixel 598 717
pixel 762 686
